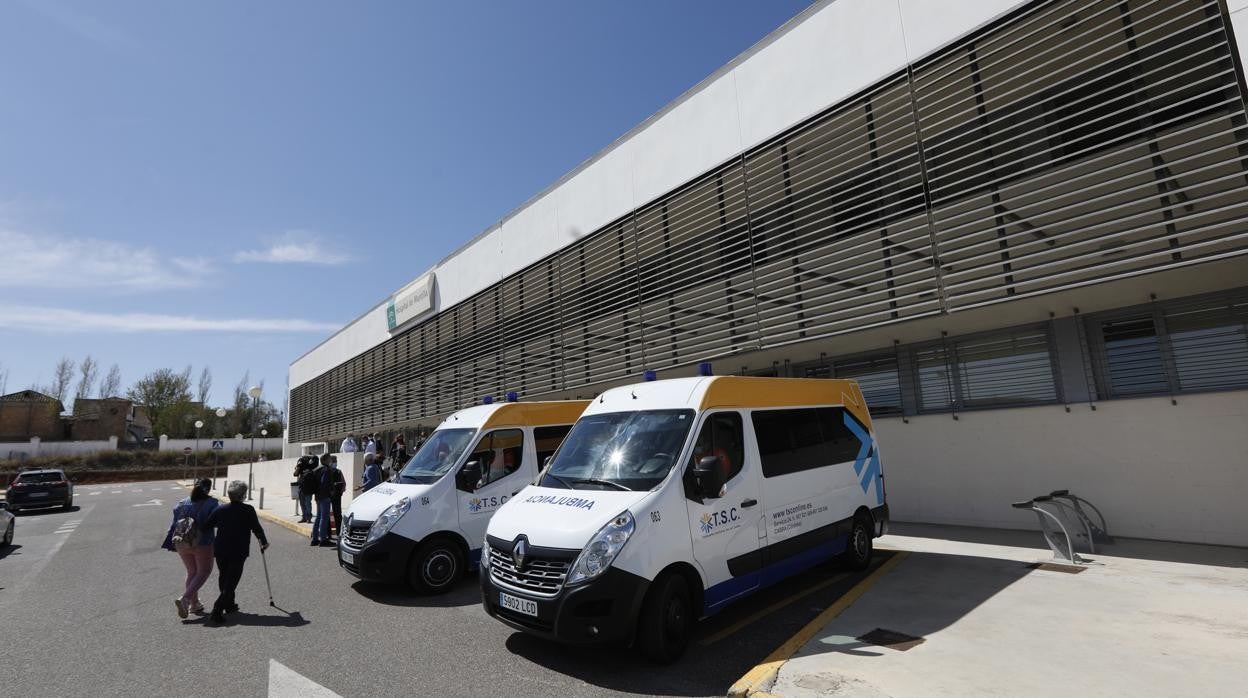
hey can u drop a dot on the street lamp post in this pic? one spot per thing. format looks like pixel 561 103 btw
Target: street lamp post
pixel 254 392
pixel 199 424
pixel 216 455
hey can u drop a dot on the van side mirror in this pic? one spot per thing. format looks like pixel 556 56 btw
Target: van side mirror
pixel 707 477
pixel 3 505
pixel 469 476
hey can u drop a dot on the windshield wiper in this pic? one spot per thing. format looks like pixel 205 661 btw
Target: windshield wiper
pixel 596 481
pixel 556 477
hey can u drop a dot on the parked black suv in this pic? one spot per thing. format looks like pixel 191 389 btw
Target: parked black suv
pixel 40 488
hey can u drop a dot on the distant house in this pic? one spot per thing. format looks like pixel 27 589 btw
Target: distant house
pixel 99 419
pixel 28 413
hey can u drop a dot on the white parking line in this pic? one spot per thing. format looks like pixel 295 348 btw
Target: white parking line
pixel 92 494
pixel 69 526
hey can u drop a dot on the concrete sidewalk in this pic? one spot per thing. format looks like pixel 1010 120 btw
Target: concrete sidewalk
pixel 1144 618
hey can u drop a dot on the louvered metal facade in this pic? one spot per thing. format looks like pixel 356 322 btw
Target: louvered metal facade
pixel 1069 144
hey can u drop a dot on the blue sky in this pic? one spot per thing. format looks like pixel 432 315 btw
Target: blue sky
pixel 227 183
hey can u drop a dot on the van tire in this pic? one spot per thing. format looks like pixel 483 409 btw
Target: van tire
pixel 859 547
pixel 435 566
pixel 665 624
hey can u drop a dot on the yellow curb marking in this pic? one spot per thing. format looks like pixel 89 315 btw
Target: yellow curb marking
pixel 770 610
pixel 766 671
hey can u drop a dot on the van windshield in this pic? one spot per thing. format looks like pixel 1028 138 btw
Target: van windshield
pixel 437 456
pixel 619 451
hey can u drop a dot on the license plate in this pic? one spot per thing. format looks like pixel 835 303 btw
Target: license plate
pixel 38 494
pixel 519 605
pixel 348 558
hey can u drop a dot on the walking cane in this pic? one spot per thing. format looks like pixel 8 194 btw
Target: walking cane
pixel 267 583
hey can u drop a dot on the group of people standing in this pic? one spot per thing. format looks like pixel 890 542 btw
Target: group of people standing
pixel 204 531
pixel 372 443
pixel 321 480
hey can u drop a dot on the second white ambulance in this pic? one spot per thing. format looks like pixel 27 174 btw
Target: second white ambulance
pixel 426 529
pixel 671 499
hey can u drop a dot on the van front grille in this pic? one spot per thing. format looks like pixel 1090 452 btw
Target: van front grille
pixel 540 576
pixel 357 534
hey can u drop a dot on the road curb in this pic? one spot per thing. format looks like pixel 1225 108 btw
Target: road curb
pixel 300 528
pixel 758 681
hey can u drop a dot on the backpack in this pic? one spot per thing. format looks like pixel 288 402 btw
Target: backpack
pixel 185 532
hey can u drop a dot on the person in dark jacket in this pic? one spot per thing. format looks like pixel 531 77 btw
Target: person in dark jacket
pixel 307 486
pixel 233 524
pixel 338 488
pixel 324 497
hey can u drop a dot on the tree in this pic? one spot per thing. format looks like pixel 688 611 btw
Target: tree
pixel 166 396
pixel 62 377
pixel 111 385
pixel 205 386
pixel 4 380
pixel 87 370
pixel 240 415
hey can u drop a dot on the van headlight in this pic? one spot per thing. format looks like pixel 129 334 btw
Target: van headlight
pixel 601 550
pixel 485 553
pixel 388 519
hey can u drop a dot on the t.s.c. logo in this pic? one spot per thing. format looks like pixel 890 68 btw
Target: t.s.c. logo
pixel 715 520
pixel 484 503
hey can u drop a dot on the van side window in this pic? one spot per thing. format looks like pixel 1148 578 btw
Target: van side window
pixel 790 441
pixel 500 453
pixel 721 436
pixel 547 440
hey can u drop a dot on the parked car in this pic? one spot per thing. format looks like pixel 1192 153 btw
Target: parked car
pixel 40 488
pixel 6 525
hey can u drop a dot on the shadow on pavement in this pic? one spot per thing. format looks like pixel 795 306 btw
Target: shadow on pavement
pixel 46 511
pixel 466 593
pixel 926 593
pixel 1134 548
pixel 10 550
pixel 292 620
pixel 725 646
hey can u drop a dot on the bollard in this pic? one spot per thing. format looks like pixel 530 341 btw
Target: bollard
pixel 261 498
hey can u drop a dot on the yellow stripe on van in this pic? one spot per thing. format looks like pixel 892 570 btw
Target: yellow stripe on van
pixel 750 391
pixel 536 414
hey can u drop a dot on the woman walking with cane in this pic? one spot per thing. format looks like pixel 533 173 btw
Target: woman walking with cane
pixel 234 524
pixel 192 540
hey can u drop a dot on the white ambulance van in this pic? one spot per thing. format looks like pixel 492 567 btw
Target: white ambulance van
pixel 671 499
pixel 425 529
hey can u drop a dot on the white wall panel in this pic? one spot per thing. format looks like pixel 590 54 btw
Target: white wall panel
pixel 597 195
pixel 530 235
pixel 472 269
pixel 685 142
pixel 931 24
pixel 363 334
pixel 836 52
pixel 1169 472
pixel 1239 26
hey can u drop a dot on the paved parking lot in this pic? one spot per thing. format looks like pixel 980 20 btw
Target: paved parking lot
pixel 88 594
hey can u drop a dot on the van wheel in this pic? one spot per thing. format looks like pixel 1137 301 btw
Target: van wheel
pixel 435 567
pixel 666 620
pixel 857 555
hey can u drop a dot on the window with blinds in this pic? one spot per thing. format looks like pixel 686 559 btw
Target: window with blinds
pixel 997 369
pixel 1187 345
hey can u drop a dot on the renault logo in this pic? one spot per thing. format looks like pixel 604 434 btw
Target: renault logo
pixel 519 551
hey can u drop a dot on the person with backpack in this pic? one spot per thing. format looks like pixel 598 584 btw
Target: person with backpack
pixel 233 524
pixel 190 538
pixel 306 477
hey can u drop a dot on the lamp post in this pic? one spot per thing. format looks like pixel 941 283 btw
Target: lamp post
pixel 199 424
pixel 216 455
pixel 254 392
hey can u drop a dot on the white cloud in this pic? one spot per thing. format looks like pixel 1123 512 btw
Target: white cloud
pixel 48 261
pixel 65 320
pixel 293 247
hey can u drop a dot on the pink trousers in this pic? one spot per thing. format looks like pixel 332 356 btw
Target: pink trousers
pixel 198 562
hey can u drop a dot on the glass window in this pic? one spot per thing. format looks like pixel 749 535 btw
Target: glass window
pixel 721 436
pixel 500 454
pixel 1133 363
pixel 1210 344
pixel 437 456
pixel 620 450
pixel 790 441
pixel 547 440
pixel 842 443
